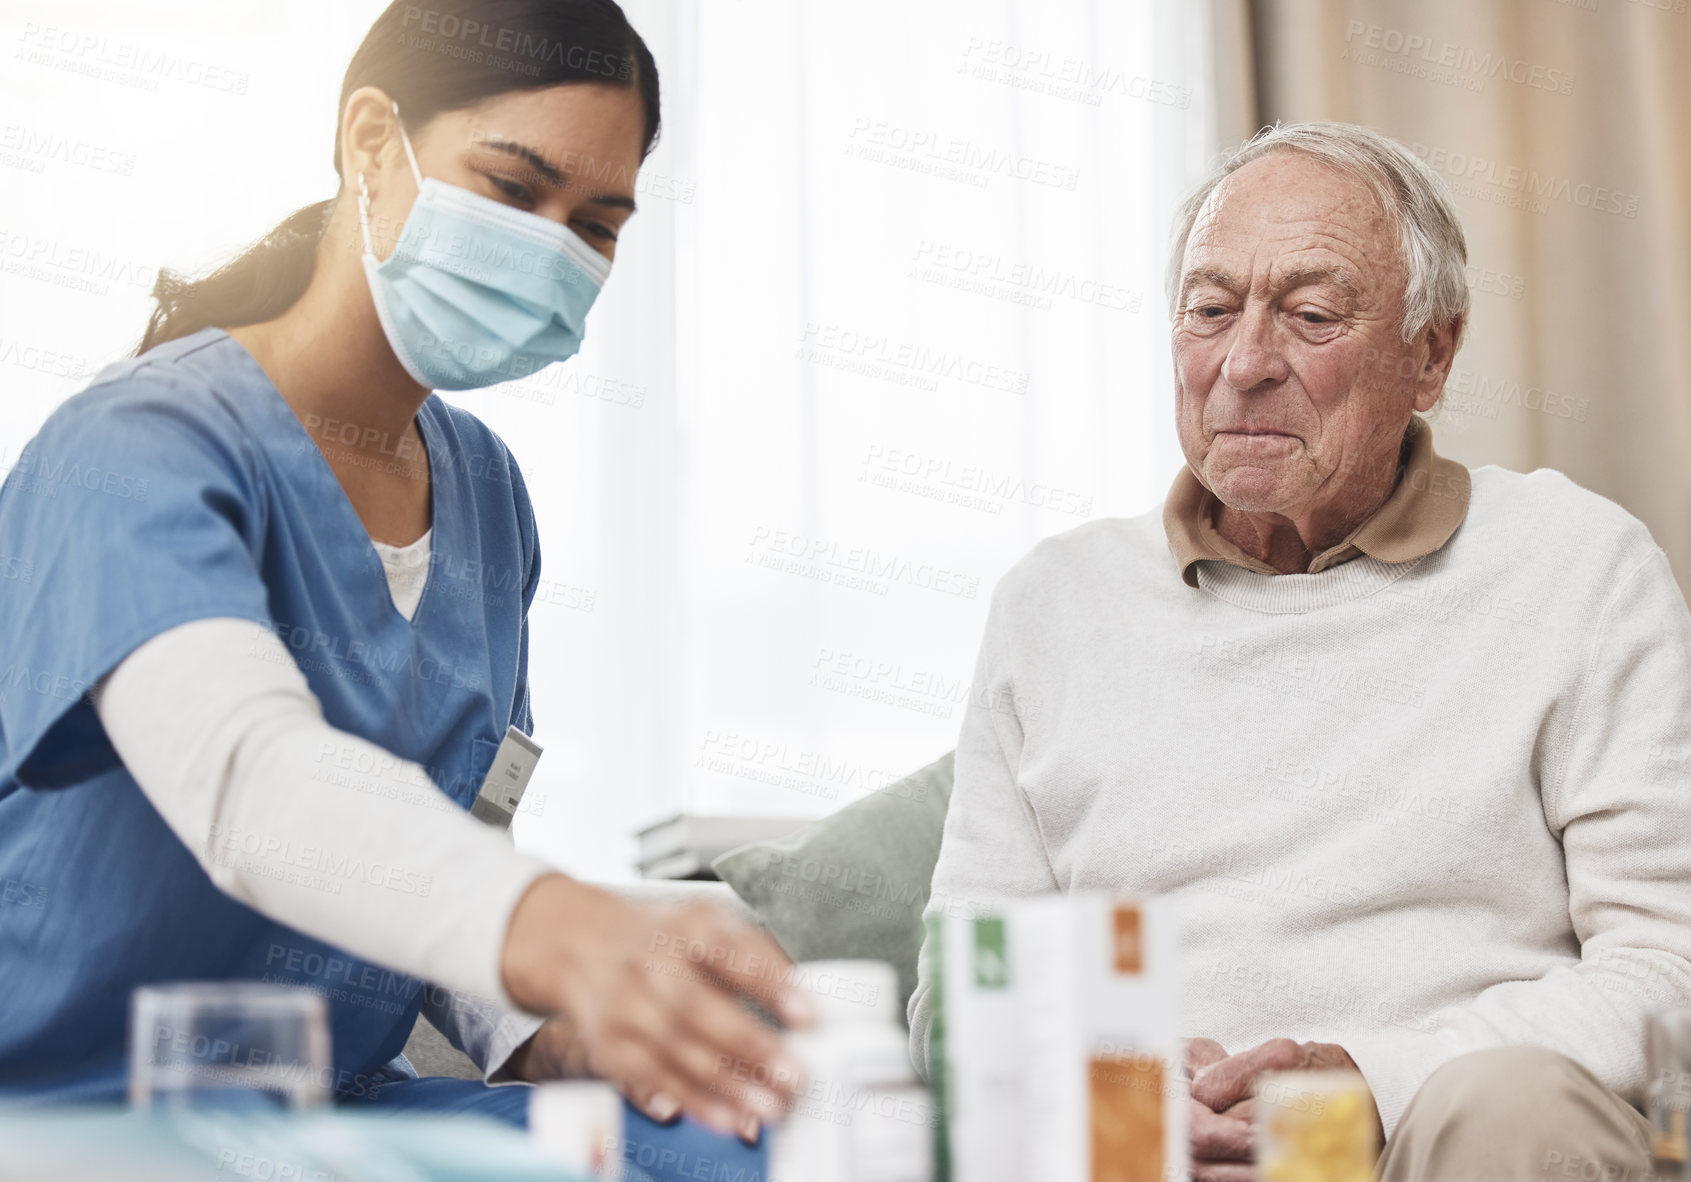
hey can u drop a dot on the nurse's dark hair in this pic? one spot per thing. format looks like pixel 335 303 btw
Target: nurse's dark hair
pixel 429 56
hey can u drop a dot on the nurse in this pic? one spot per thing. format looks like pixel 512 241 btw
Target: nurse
pixel 248 692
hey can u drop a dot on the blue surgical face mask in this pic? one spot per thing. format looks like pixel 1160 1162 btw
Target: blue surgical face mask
pixel 475 292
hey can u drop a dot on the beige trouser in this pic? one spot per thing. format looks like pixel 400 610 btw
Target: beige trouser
pixel 1513 1114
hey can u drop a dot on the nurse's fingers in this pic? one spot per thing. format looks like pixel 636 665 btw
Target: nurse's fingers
pixel 712 1097
pixel 714 1040
pixel 711 1040
pixel 653 1087
pixel 736 1054
pixel 652 992
pixel 662 1061
pixel 742 957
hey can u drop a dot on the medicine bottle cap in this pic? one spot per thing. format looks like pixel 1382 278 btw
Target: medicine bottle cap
pixel 847 991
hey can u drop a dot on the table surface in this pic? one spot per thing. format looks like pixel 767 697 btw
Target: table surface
pixel 98 1144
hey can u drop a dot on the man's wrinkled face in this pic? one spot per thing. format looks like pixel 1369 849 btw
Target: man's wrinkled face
pixel 1293 383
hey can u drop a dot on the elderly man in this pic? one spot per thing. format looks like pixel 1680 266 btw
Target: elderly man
pixel 1407 744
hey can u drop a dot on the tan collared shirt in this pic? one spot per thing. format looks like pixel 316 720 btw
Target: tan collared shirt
pixel 1428 503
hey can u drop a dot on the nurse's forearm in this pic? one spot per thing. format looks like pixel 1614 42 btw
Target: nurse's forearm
pixel 217 725
pixel 219 728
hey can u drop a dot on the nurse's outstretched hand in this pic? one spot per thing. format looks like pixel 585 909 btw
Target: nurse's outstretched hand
pixel 653 996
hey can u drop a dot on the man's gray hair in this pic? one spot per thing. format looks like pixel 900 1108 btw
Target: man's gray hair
pixel 1435 254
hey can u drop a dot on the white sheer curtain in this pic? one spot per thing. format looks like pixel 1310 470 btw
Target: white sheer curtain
pixel 890 313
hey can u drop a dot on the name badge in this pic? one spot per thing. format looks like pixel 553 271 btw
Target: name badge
pixel 507 780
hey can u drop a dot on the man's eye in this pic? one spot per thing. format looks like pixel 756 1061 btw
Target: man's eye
pixel 600 231
pixel 1314 318
pixel 1212 312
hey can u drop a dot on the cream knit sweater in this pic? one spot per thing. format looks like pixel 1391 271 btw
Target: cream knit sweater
pixel 1415 809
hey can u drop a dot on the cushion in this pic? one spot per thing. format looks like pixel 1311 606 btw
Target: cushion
pixel 855 884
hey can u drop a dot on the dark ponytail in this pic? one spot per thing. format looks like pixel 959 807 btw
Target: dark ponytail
pixel 263 281
pixel 440 56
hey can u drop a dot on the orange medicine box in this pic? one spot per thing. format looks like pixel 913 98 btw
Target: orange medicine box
pixel 1097 993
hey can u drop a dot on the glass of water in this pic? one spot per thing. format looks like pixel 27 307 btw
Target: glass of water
pixel 1667 1094
pixel 228 1044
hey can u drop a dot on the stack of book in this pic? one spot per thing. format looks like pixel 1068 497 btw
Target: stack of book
pixel 684 846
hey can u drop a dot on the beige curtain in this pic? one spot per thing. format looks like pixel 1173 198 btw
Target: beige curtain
pixel 1564 129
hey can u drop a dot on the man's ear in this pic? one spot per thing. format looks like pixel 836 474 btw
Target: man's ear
pixel 1441 342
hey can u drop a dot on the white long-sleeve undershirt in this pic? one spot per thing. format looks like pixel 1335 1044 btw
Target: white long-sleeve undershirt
pixel 220 730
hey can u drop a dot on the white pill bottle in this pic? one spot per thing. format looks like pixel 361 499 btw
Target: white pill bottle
pixel 862 1116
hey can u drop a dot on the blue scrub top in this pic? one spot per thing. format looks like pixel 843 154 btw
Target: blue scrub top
pixel 181 486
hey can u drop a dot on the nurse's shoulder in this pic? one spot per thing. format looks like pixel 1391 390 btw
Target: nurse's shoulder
pixel 191 395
